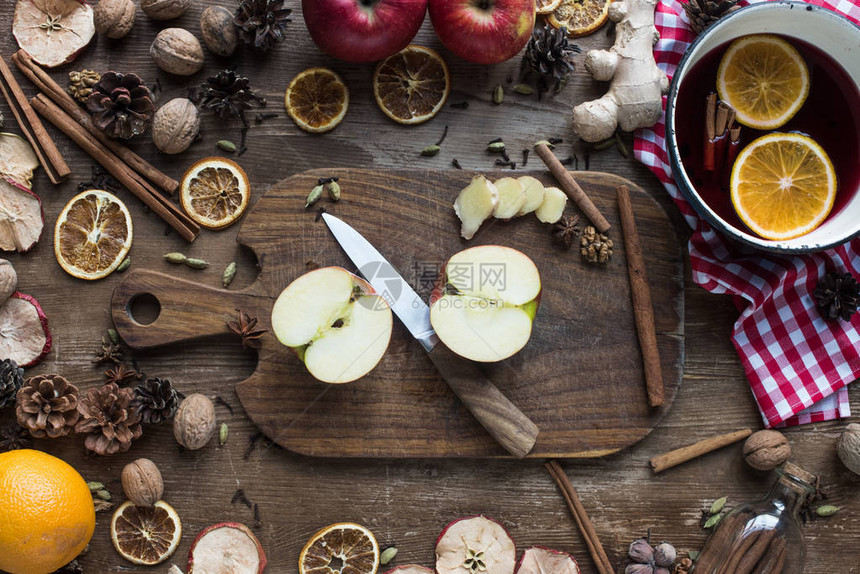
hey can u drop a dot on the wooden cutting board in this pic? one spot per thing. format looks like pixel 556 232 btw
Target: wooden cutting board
pixel 580 378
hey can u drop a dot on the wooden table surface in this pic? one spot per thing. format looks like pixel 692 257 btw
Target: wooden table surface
pixel 405 503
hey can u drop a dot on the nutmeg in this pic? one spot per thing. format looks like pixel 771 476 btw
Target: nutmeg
pixel 194 423
pixel 114 18
pixel 177 51
pixel 218 30
pixel 8 280
pixel 164 9
pixel 848 447
pixel 142 482
pixel 175 126
pixel 766 449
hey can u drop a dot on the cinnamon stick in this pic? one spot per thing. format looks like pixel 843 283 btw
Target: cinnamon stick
pixel 732 149
pixel 604 566
pixel 180 222
pixel 715 546
pixel 572 189
pixel 708 157
pixel 755 552
pixel 674 458
pixel 737 554
pixel 643 310
pixel 771 558
pixel 722 123
pixel 46 151
pixel 59 96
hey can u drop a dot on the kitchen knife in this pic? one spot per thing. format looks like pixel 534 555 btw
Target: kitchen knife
pixel 499 416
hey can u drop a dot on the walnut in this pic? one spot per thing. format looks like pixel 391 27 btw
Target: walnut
pixel 164 9
pixel 8 280
pixel 194 423
pixel 142 482
pixel 114 18
pixel 177 51
pixel 848 447
pixel 766 450
pixel 175 126
pixel 218 30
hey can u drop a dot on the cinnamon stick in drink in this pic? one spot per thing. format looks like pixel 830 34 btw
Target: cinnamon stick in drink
pixel 708 156
pixel 724 116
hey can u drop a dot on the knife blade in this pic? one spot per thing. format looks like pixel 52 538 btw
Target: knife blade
pixel 503 420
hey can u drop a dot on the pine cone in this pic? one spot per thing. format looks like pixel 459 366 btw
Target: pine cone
pixel 549 54
pixel 262 22
pixel 11 381
pixel 155 401
pixel 703 13
pixel 228 94
pixel 81 84
pixel 837 295
pixel 108 419
pixel 13 437
pixel 121 105
pixel 47 406
pixel 595 247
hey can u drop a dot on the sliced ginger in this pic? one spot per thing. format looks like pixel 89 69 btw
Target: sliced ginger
pixel 552 207
pixel 512 196
pixel 534 194
pixel 474 204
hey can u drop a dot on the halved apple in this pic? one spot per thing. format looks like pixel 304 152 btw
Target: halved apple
pixel 335 322
pixel 485 302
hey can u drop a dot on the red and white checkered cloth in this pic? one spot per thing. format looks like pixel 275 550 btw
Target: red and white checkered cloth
pixel 798 364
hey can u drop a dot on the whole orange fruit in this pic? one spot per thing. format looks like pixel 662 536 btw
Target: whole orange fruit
pixel 46 512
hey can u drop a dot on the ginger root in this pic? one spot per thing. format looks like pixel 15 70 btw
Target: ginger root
pixel 635 96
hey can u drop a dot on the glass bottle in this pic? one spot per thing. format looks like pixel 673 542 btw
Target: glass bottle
pixel 761 537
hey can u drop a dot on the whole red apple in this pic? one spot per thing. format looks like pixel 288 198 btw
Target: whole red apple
pixel 363 30
pixel 483 31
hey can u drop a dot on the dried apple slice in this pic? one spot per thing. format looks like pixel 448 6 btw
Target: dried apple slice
pixel 226 547
pixel 18 161
pixel 475 544
pixel 410 569
pixel 475 203
pixel 538 560
pixel 24 334
pixel 21 218
pixel 53 32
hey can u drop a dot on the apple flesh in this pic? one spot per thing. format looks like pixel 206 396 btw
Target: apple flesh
pixel 485 302
pixel 335 322
pixel 363 30
pixel 512 196
pixel 483 31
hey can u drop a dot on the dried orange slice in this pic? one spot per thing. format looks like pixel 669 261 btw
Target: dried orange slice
pixel 214 192
pixel 145 535
pixel 547 6
pixel 412 85
pixel 317 100
pixel 92 235
pixel 341 547
pixel 580 17
pixel 765 79
pixel 783 185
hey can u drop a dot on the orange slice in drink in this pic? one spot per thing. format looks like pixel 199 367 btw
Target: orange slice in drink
pixel 317 100
pixel 92 235
pixel 145 535
pixel 580 17
pixel 341 547
pixel 783 185
pixel 765 79
pixel 214 192
pixel 412 85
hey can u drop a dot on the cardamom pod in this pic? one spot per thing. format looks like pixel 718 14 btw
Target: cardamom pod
pixel 175 257
pixel 547 143
pixel 498 94
pixel 713 521
pixel 826 510
pixel 430 150
pixel 718 505
pixel 496 147
pixel 223 432
pixel 314 196
pixel 605 144
pixel 94 486
pixel 333 189
pixel 227 145
pixel 196 263
pixel 619 143
pixel 387 555
pixel 229 274
pixel 113 336
pixel 103 494
pixel 124 265
pixel 523 89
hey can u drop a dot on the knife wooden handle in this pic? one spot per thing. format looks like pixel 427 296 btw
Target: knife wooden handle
pixel 497 414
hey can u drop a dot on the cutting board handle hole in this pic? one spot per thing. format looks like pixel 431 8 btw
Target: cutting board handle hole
pixel 144 308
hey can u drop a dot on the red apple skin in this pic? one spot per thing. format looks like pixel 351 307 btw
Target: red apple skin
pixel 483 31
pixel 363 30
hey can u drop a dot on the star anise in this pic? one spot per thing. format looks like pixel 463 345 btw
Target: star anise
pixel 565 232
pixel 14 437
pixel 246 327
pixel 109 353
pixel 121 375
pixel 227 94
